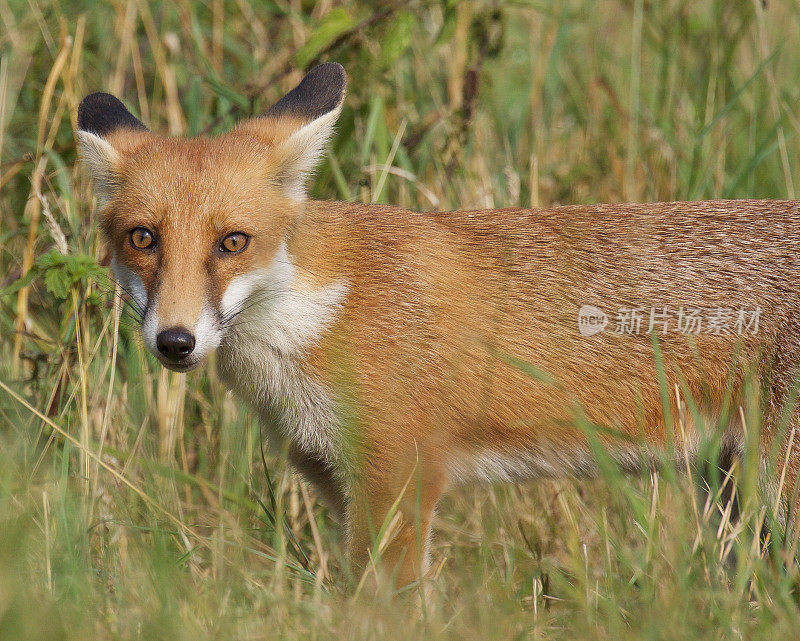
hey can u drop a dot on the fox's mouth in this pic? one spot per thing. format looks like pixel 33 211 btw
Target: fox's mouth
pixel 181 366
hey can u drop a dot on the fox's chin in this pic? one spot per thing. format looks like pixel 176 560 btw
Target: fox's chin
pixel 182 367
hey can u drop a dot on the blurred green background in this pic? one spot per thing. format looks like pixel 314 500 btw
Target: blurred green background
pixel 135 503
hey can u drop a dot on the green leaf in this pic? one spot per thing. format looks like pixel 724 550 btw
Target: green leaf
pixel 60 273
pixel 334 24
pixel 57 282
pixel 51 260
pixel 397 39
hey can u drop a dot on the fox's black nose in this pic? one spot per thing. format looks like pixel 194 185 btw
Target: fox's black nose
pixel 175 343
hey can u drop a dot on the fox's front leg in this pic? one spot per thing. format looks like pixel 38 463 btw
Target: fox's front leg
pixel 389 518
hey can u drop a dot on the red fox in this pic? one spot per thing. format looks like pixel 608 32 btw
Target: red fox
pixel 397 353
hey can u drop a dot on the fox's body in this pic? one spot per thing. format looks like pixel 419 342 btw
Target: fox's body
pixel 392 349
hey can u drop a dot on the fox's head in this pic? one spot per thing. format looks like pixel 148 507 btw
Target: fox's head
pixel 195 225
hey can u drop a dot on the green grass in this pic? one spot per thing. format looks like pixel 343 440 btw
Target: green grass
pixel 134 502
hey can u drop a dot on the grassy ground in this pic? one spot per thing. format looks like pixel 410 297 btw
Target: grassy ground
pixel 134 502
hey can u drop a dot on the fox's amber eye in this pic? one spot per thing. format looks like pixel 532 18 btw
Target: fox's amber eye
pixel 234 242
pixel 142 238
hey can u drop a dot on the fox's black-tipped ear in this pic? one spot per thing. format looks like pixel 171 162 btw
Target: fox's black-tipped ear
pixel 99 116
pixel 320 92
pixel 298 126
